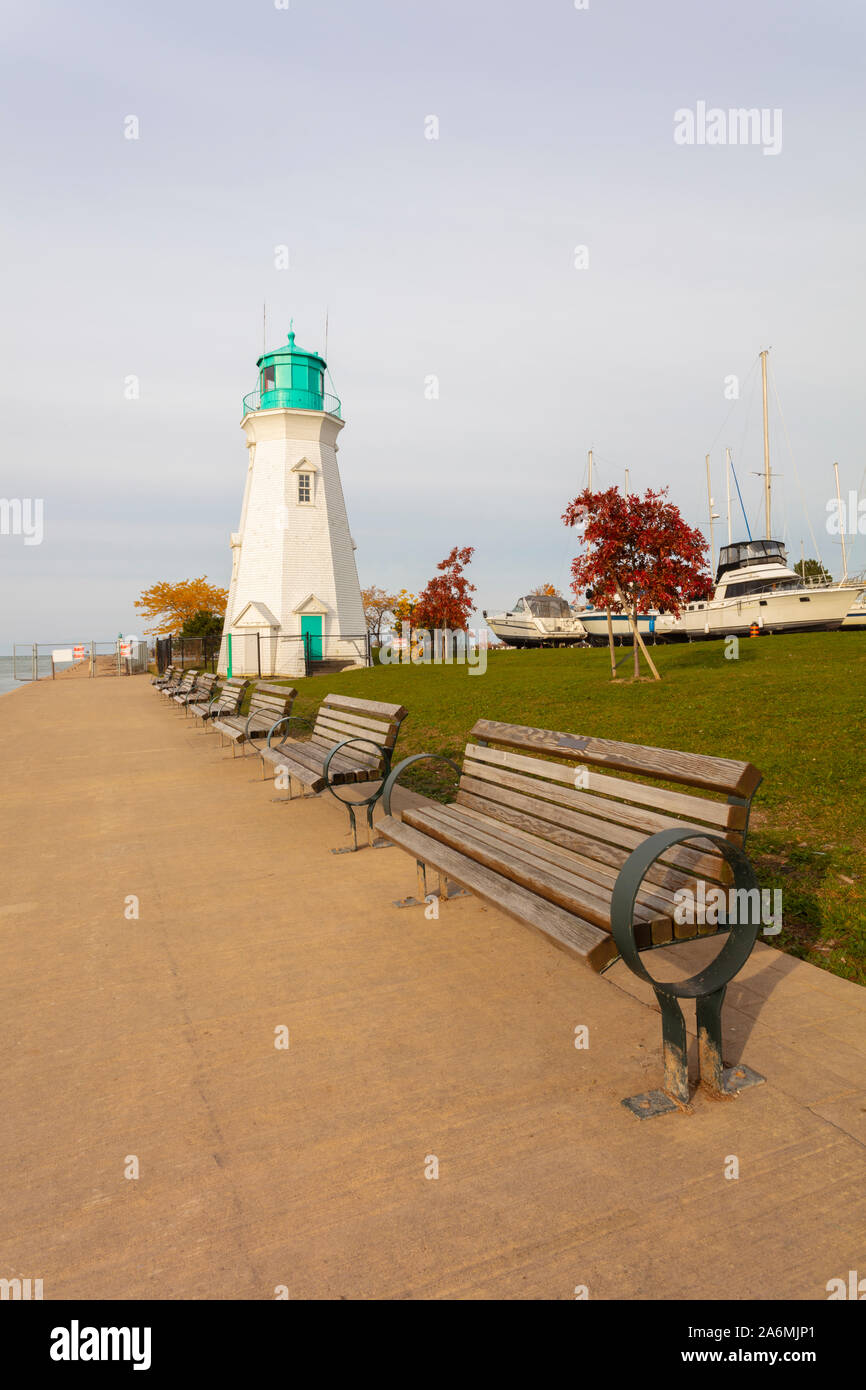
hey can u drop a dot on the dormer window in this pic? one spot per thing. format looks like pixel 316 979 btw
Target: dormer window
pixel 305 489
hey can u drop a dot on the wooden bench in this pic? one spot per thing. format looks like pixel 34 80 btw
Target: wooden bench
pixel 166 678
pixel 571 835
pixel 202 689
pixel 268 704
pixel 226 700
pixel 181 685
pixel 351 741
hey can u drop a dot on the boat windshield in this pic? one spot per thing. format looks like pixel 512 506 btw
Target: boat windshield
pixel 745 554
pixel 548 606
pixel 760 586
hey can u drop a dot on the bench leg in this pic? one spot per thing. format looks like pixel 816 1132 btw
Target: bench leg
pixel 444 894
pixel 421 868
pixel 716 1079
pixel 675 1054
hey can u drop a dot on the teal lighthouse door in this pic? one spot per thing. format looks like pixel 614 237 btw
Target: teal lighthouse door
pixel 311 627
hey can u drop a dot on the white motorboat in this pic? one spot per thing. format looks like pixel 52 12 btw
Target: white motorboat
pixel 538 620
pixel 754 585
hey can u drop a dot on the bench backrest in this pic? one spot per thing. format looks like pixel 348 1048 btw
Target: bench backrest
pixel 167 673
pixel 187 682
pixel 268 703
pixel 204 684
pixel 563 798
pixel 344 716
pixel 232 692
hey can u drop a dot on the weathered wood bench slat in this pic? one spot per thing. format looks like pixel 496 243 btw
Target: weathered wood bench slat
pixel 337 731
pixel 532 849
pixel 380 729
pixel 566 930
pixel 314 757
pixel 681 804
pixel 707 864
pixel 604 807
pixel 358 753
pixel 694 769
pixel 367 708
pixel 578 895
pixel 591 856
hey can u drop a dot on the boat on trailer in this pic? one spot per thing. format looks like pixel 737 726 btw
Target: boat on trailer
pixel 538 620
pixel 755 587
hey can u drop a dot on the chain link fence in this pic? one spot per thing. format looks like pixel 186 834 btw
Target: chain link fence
pixel 33 661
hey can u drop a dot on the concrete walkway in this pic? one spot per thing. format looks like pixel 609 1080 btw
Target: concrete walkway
pixel 409 1038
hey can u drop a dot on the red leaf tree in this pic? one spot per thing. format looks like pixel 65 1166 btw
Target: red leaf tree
pixel 639 555
pixel 446 601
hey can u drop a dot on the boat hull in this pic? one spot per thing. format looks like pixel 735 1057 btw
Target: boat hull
pixel 821 610
pixel 517 633
pixel 651 627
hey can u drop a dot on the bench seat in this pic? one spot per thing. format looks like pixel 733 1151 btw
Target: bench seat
pixel 531 834
pixel 200 691
pixel 226 701
pixel 268 704
pixel 373 725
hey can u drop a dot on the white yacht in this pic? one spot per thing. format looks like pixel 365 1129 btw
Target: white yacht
pixel 755 586
pixel 538 620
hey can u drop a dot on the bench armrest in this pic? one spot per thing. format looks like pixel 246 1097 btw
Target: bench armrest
pixel 741 936
pixel 286 719
pixel 394 776
pixel 384 753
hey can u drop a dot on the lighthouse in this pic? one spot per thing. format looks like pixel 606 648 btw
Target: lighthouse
pixel 294 584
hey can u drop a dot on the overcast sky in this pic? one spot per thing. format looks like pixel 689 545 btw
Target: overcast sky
pixel 451 257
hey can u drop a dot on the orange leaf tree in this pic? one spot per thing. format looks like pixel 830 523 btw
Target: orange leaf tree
pixel 169 606
pixel 377 607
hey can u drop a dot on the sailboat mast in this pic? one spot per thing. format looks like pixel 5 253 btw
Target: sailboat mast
pixel 710 502
pixel 728 490
pixel 766 444
pixel 589 460
pixel 841 527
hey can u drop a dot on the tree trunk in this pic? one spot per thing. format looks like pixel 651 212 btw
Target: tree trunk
pixel 610 644
pixel 637 637
pixel 634 643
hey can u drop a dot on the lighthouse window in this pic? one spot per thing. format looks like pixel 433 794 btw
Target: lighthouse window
pixel 305 487
pixel 268 378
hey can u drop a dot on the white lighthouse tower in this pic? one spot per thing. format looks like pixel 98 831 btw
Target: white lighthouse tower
pixel 294 582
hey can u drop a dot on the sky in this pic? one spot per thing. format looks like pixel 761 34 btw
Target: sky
pixel 452 257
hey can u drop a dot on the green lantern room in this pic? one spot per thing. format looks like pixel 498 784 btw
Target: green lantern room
pixel 291 378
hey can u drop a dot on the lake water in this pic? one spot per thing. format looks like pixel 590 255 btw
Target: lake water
pixel 24 669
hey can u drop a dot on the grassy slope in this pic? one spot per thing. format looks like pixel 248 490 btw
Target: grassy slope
pixel 791 705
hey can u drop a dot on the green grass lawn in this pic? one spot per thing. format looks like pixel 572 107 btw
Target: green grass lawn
pixel 793 706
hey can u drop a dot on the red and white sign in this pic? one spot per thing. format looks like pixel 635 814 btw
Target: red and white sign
pixel 78 653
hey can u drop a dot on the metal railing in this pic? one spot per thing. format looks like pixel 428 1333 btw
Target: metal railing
pixel 288 398
pixel 201 652
pixel 264 655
